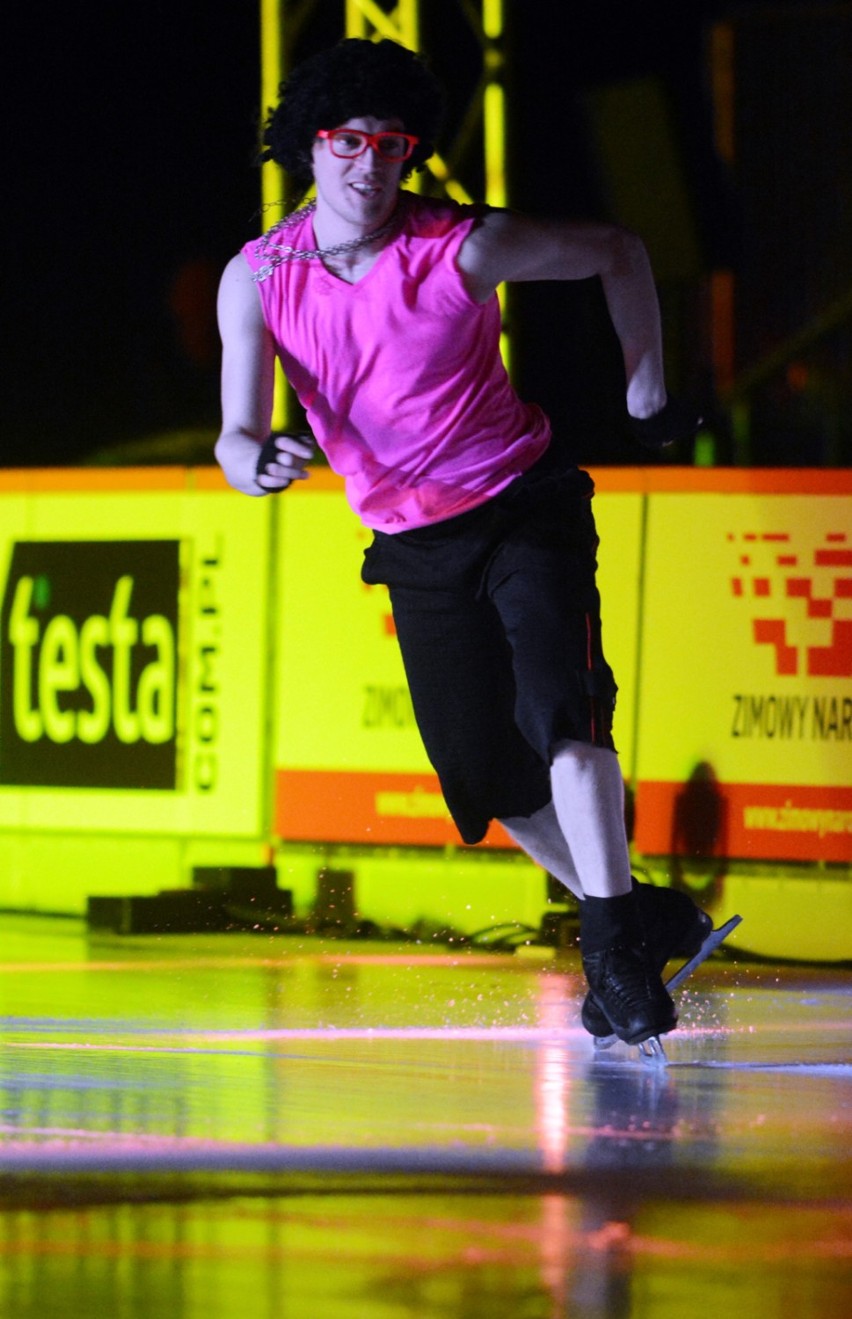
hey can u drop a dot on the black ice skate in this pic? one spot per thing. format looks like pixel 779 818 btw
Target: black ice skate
pixel 628 994
pixel 672 926
pixel 650 1046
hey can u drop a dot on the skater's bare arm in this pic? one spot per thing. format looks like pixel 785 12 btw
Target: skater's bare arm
pixel 505 247
pixel 248 362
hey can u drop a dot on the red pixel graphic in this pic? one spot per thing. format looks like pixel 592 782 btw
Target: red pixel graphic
pixel 833 660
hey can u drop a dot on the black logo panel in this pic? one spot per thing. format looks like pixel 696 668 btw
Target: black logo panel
pixel 89 665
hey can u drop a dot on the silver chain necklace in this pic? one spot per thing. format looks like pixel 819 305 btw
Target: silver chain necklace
pixel 275 254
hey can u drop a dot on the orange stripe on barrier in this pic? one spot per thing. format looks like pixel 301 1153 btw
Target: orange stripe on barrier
pixel 321 478
pixel 352 806
pixel 77 480
pixel 207 478
pixel 769 821
pixel 677 480
pixel 635 480
pixel 724 480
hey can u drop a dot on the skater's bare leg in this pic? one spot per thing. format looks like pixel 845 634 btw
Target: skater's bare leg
pixel 540 836
pixel 588 796
pixel 579 836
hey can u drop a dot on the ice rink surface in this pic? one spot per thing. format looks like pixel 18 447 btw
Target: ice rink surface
pixel 278 1126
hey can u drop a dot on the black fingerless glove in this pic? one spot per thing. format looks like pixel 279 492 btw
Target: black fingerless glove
pixel 268 454
pixel 676 421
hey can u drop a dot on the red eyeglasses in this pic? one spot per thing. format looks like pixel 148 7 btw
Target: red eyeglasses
pixel 347 143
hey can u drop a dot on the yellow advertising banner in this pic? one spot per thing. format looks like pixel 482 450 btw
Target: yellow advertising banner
pixel 177 659
pixel 350 766
pixel 133 653
pixel 745 700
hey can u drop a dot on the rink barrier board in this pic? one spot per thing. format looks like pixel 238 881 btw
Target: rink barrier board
pixel 289 800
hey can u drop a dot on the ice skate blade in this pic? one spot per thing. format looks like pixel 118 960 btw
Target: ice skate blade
pixel 710 944
pixel 652 1051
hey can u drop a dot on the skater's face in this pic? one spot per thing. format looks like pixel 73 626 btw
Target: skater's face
pixel 359 190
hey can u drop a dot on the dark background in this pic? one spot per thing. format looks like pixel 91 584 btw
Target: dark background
pixel 130 180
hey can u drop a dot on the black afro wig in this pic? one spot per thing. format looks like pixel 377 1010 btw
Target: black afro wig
pixel 352 80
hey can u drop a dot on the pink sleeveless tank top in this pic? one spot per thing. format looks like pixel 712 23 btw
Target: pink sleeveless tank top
pixel 400 374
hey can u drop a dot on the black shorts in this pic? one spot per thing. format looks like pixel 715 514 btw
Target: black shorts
pixel 498 619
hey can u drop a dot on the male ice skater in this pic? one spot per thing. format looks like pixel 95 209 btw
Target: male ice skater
pixel 382 309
